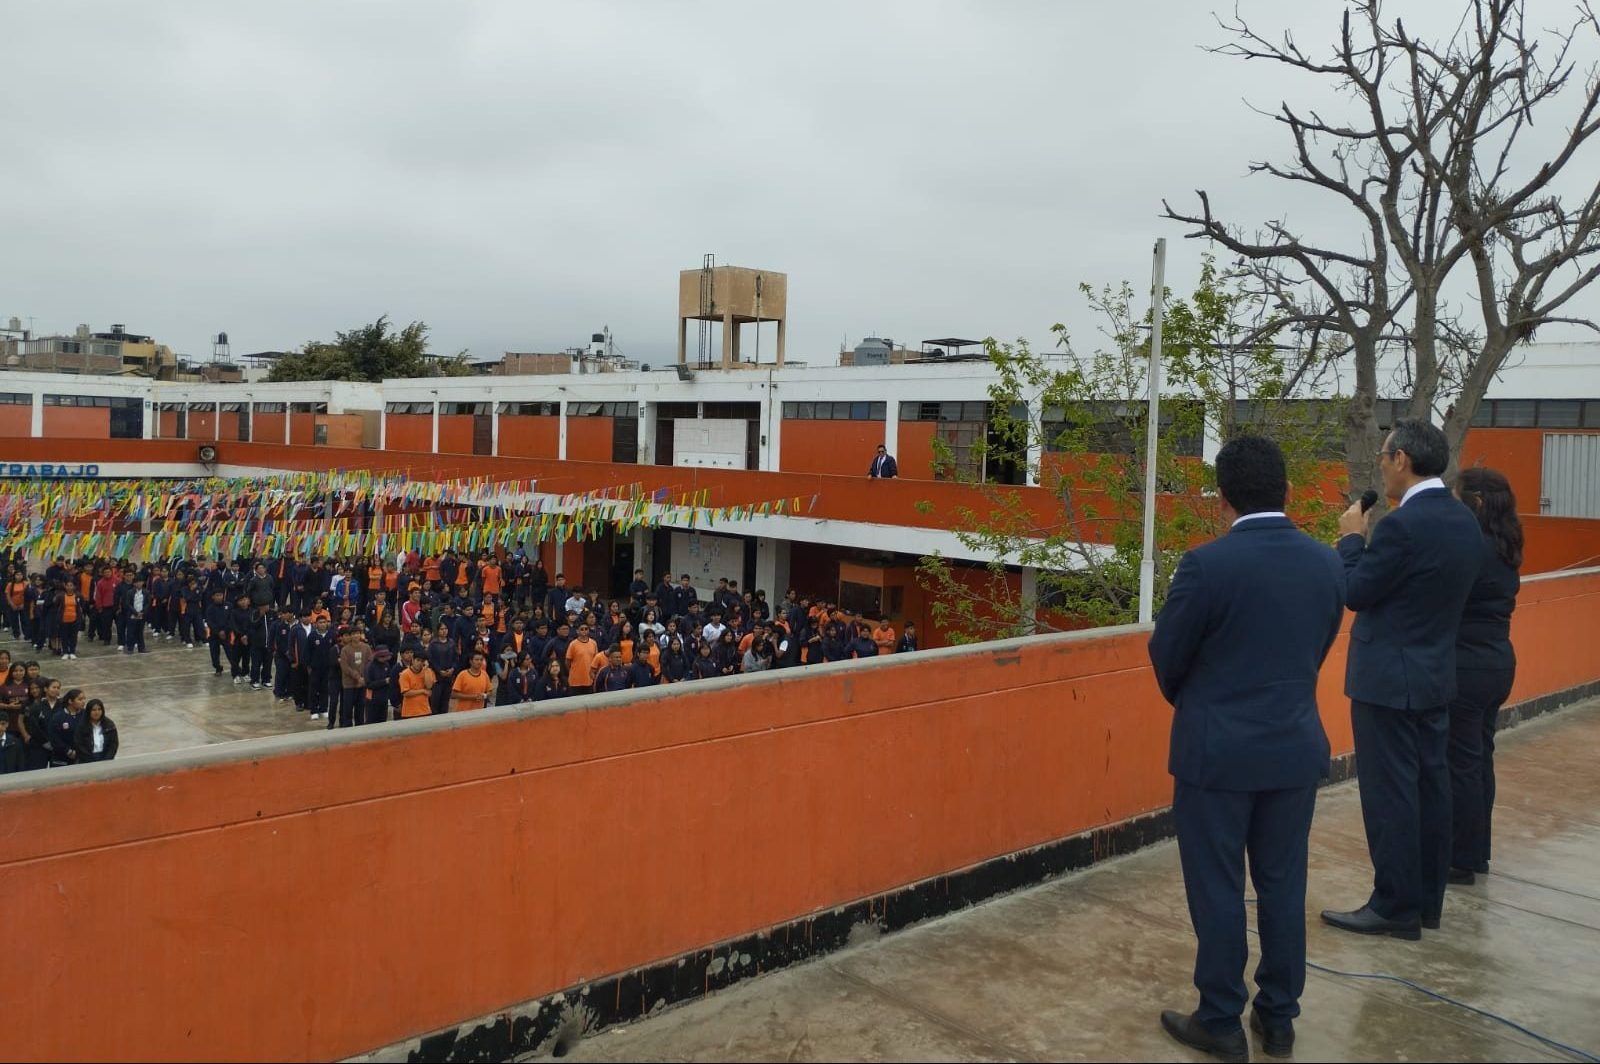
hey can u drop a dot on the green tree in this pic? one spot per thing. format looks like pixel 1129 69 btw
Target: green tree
pixel 371 352
pixel 1076 424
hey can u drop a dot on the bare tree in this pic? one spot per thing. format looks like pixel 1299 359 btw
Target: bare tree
pixel 1431 161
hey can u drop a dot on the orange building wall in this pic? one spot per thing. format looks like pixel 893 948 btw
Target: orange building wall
pixel 915 449
pixel 18 421
pixel 1552 543
pixel 230 425
pixel 530 436
pixel 1518 453
pixel 77 422
pixel 589 439
pixel 303 429
pixel 267 428
pixel 167 426
pixel 202 424
pixel 455 434
pixel 551 848
pixel 408 432
pixel 344 430
pixel 842 447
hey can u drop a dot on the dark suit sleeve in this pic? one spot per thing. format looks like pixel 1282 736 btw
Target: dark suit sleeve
pixel 1371 571
pixel 1180 628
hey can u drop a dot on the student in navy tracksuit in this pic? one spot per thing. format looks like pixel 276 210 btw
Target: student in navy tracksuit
pixel 1408 586
pixel 1238 657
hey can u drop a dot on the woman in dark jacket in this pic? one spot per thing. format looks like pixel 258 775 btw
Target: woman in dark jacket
pixel 552 683
pixel 727 655
pixel 676 664
pixel 95 734
pixel 1485 668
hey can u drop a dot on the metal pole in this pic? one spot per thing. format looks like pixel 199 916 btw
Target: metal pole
pixel 1147 560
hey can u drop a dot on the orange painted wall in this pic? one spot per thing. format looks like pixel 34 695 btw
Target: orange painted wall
pixel 1552 543
pixel 302 429
pixel 230 425
pixel 77 422
pixel 1518 453
pixel 408 432
pixel 455 434
pixel 589 439
pixel 559 847
pixel 344 430
pixel 167 426
pixel 18 421
pixel 527 436
pixel 202 424
pixel 914 457
pixel 842 447
pixel 267 428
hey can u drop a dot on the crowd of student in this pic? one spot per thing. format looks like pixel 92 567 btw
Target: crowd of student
pixel 359 641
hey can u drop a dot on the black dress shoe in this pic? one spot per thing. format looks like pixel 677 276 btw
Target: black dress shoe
pixel 1431 923
pixel 1192 1033
pixel 1277 1039
pixel 1364 921
pixel 1461 877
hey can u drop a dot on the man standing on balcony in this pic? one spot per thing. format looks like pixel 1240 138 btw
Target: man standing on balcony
pixel 883 467
pixel 1408 586
pixel 1238 658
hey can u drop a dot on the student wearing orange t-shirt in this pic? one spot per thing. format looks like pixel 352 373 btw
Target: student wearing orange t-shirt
pixel 884 635
pixel 472 687
pixel 581 655
pixel 489 577
pixel 416 687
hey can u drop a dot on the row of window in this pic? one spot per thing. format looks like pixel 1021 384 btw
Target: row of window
pixel 522 409
pixel 1538 413
pixel 853 411
pixel 530 409
pixel 101 401
pixel 244 408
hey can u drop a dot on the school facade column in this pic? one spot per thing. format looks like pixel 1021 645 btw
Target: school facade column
pixel 772 567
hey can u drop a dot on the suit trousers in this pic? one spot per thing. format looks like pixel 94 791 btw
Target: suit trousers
pixel 1473 717
pixel 1404 769
pixel 1217 832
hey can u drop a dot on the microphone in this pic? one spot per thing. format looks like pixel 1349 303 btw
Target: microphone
pixel 1369 499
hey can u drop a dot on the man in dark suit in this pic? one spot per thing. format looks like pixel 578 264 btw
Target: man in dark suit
pixel 1237 650
pixel 1407 586
pixel 883 467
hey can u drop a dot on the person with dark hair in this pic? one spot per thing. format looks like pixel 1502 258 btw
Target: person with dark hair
pixel 1238 657
pixel 95 734
pixel 1486 665
pixel 1407 586
pixel 62 728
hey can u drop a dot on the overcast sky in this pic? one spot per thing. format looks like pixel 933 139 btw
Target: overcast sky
pixel 520 174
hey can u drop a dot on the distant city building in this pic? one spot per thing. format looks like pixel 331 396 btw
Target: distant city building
pixel 112 353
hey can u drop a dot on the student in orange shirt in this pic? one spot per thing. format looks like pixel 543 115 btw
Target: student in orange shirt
pixel 416 687
pixel 489 576
pixel 472 687
pixel 581 654
pixel 884 635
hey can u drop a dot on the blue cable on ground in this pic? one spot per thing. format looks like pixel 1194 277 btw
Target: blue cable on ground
pixel 1580 1054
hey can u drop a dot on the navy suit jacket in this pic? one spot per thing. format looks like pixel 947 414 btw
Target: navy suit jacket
pixel 1408 586
pixel 887 471
pixel 1237 649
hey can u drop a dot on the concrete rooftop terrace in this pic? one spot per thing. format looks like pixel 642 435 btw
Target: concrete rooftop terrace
pixel 1079 967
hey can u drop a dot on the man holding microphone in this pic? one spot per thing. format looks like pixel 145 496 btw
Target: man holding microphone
pixel 1407 585
pixel 1237 649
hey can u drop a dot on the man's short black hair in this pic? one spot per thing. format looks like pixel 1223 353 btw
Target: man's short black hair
pixel 1425 444
pixel 1252 476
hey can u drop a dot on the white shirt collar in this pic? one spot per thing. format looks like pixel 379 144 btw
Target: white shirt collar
pixel 1421 485
pixel 1251 517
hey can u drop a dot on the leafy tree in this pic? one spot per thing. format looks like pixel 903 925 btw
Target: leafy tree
pixel 1427 150
pixel 371 352
pixel 1076 424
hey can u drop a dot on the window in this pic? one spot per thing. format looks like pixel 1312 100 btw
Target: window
pixel 102 401
pixel 1591 413
pixel 530 409
pixel 275 408
pixel 312 408
pixel 1516 413
pixel 1560 413
pixel 603 410
pixel 16 399
pixel 1320 420
pixel 830 411
pixel 463 408
pixel 1112 426
pixel 202 408
pixel 232 408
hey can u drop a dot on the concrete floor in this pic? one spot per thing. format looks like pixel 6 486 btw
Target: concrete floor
pixel 168 698
pixel 1078 968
